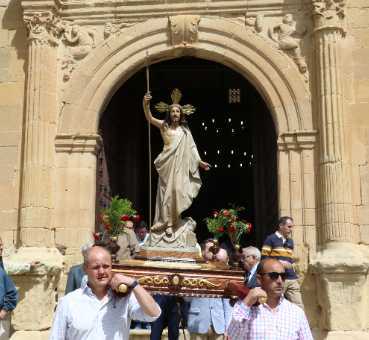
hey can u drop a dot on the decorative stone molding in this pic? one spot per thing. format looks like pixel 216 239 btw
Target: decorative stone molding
pixel 329 14
pixel 184 29
pixel 256 24
pixel 287 37
pixel 77 143
pixel 43 27
pixel 297 140
pixel 79 42
pixel 113 28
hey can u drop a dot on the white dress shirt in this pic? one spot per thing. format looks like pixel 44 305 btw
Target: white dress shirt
pixel 81 316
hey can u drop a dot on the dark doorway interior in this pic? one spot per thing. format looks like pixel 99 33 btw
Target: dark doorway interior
pixel 233 130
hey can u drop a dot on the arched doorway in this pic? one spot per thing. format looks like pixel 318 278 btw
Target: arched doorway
pixel 116 59
pixel 233 130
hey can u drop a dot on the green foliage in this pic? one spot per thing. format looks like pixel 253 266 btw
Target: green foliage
pixel 116 215
pixel 226 221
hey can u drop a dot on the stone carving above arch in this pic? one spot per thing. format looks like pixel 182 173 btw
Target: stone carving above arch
pixel 79 41
pixel 283 35
pixel 113 28
pixel 256 23
pixel 184 29
pixel 287 38
pixel 218 39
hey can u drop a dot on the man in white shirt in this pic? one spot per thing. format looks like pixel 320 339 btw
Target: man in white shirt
pixel 95 311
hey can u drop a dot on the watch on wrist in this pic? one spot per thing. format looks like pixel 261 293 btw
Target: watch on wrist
pixel 133 285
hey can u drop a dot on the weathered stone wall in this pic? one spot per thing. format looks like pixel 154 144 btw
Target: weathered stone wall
pixel 358 112
pixel 13 50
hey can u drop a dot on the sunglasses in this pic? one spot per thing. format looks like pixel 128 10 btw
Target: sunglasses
pixel 275 275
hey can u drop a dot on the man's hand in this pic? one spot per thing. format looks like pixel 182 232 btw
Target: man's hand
pixel 147 97
pixel 119 279
pixel 3 314
pixel 205 166
pixel 254 295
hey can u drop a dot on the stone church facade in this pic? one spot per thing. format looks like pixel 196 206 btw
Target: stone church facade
pixel 60 63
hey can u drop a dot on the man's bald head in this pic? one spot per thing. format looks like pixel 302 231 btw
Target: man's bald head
pixel 264 265
pixel 93 252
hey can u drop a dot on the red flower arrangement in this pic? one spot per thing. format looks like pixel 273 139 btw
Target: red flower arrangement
pixel 227 222
pixel 114 218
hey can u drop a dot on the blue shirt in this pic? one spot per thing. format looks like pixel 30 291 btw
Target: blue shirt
pixel 8 292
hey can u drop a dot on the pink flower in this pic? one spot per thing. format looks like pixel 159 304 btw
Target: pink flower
pixel 226 213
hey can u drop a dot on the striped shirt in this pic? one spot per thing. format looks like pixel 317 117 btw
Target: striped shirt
pixel 276 246
pixel 286 322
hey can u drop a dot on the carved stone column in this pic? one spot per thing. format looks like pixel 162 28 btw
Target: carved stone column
pixel 335 179
pixel 341 267
pixel 39 134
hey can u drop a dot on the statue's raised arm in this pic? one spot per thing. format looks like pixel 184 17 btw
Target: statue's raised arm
pixel 149 117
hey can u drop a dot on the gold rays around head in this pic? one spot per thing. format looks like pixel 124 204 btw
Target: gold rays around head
pixel 176 97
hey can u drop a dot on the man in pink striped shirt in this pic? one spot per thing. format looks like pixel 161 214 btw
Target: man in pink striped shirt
pixel 277 318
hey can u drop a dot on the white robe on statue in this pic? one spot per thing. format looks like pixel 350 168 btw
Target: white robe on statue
pixel 179 178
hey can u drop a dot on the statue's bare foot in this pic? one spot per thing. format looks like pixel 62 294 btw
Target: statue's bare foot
pixel 169 231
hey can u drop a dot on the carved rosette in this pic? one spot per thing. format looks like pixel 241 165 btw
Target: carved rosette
pixel 184 29
pixel 329 14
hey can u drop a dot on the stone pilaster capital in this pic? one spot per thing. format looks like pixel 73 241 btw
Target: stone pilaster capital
pixel 44 28
pixel 78 143
pixel 297 140
pixel 329 14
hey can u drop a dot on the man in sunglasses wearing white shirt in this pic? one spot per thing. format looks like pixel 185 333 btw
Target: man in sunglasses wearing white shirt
pixel 265 314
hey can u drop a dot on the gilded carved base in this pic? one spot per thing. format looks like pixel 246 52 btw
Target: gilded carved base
pixel 181 279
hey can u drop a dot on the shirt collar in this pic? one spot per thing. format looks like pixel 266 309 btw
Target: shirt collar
pixel 253 269
pixel 87 290
pixel 280 236
pixel 277 307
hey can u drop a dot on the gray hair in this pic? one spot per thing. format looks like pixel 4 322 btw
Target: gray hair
pixel 252 251
pixel 87 252
pixel 84 250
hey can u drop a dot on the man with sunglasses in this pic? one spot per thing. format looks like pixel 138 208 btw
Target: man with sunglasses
pixel 264 313
pixel 279 245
